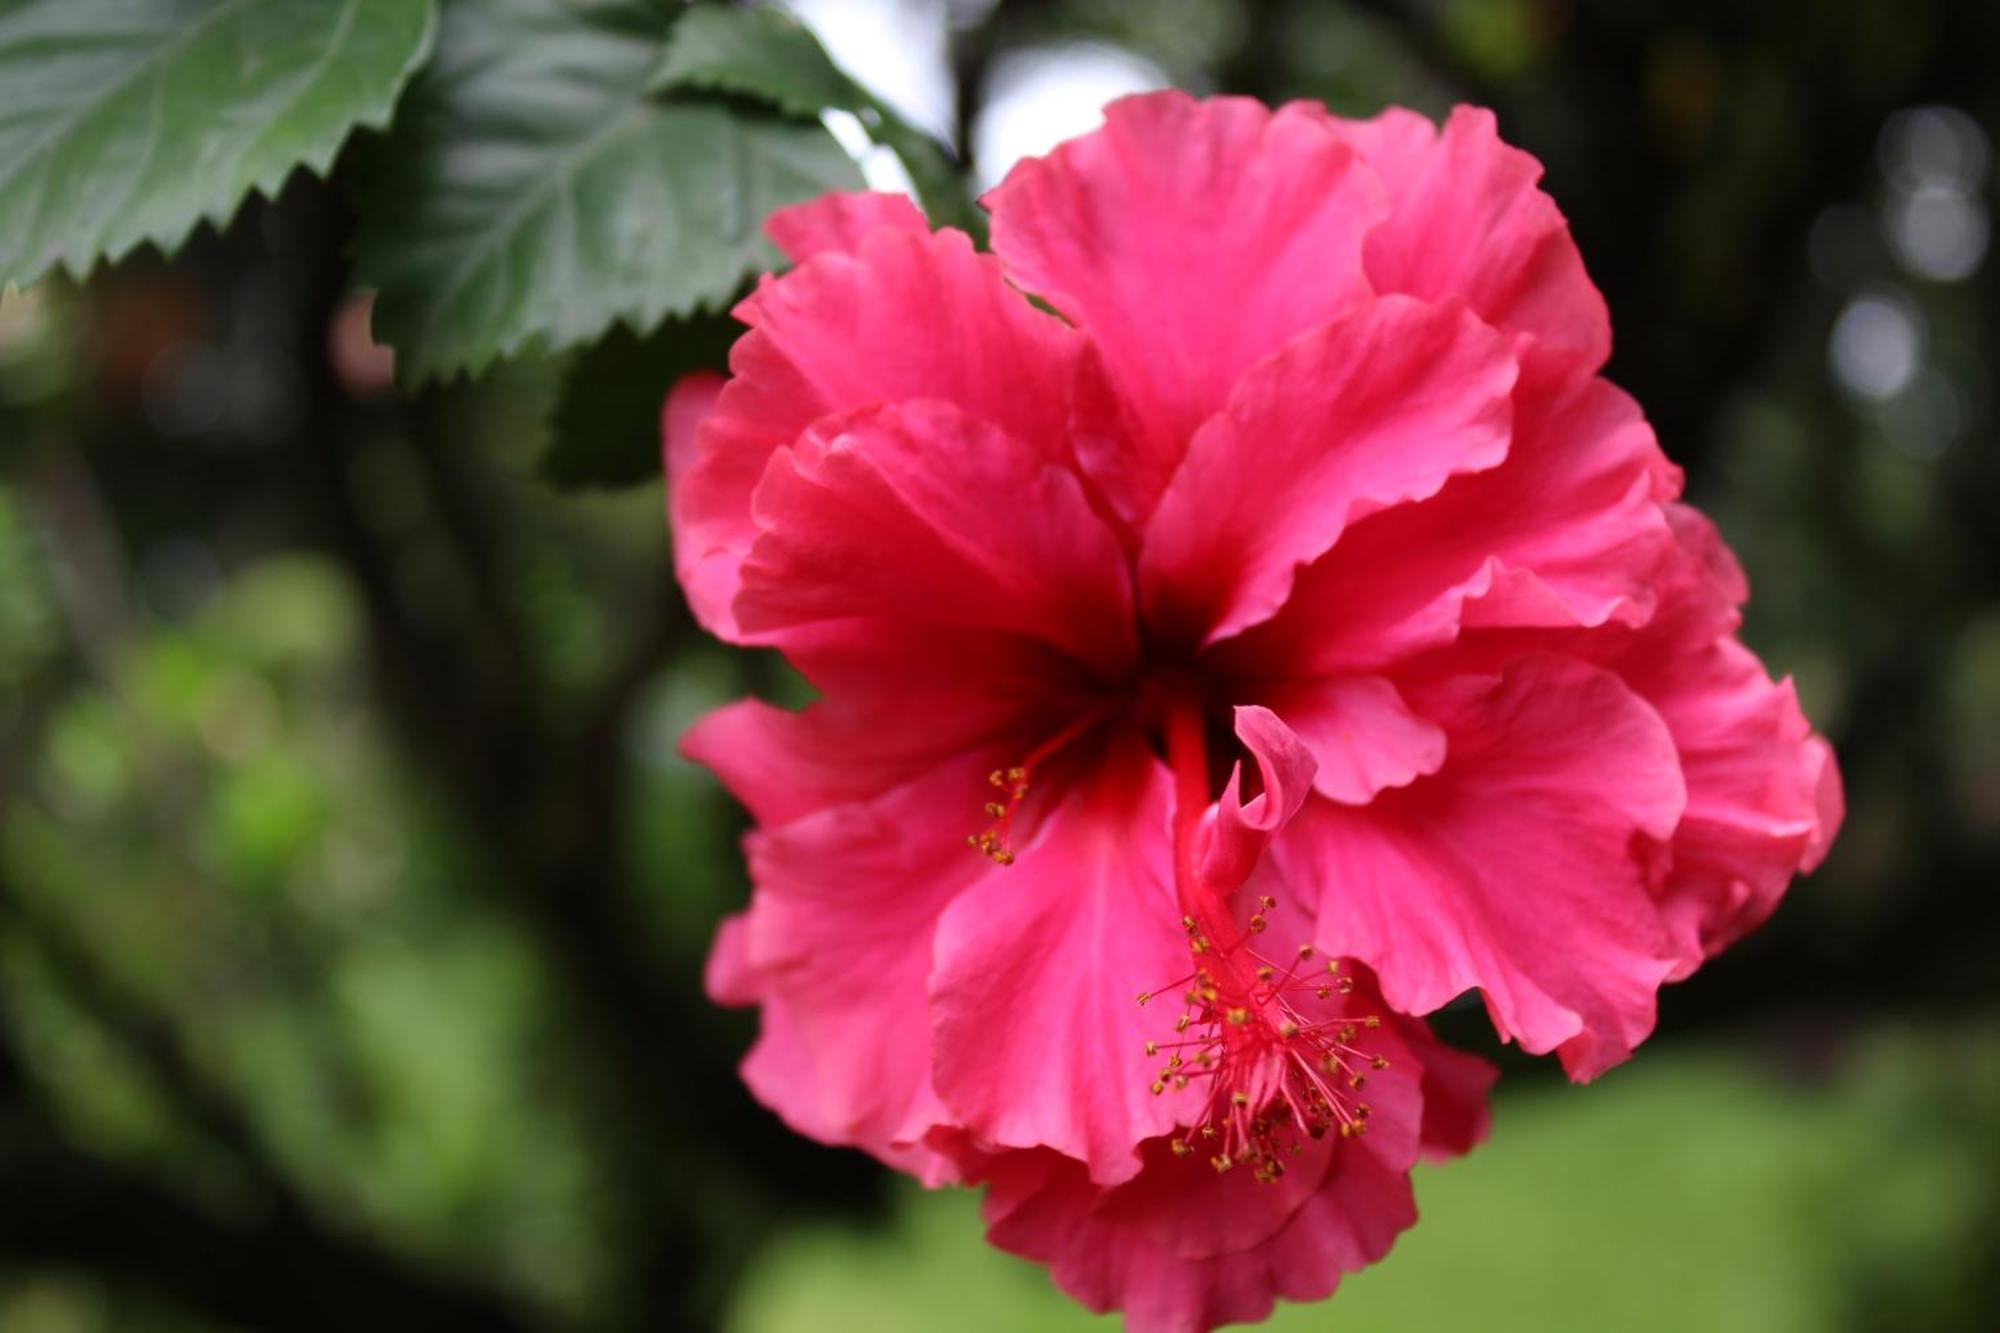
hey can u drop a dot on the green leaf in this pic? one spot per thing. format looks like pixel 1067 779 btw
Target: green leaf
pixel 534 193
pixel 758 53
pixel 126 121
pixel 606 423
pixel 767 55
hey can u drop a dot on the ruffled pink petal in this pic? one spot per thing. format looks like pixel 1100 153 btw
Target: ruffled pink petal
pixel 1041 1206
pixel 777 1072
pixel 728 978
pixel 1569 530
pixel 838 221
pixel 1189 240
pixel 1456 1114
pixel 1038 1037
pixel 905 315
pixel 1237 832
pixel 688 403
pixel 836 945
pixel 897 701
pixel 1362 735
pixel 1512 869
pixel 1195 1212
pixel 1467 220
pixel 783 765
pixel 921 513
pixel 1703 561
pixel 1378 408
pixel 1829 801
pixel 1764 797
pixel 1046 1208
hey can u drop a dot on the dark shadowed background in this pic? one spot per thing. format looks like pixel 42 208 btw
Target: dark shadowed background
pixel 353 899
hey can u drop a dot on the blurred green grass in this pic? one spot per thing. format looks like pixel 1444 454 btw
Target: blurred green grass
pixel 1698 1190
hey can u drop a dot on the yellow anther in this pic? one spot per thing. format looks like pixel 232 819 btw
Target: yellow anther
pixel 1158 1087
pixel 1288 1030
pixel 1305 951
pixel 1380 1062
pixel 1152 1048
pixel 1239 1098
pixel 1372 1022
pixel 1144 996
pixel 1345 985
pixel 1182 1147
pixel 1238 1017
pixel 995 809
pixel 1220 1163
pixel 1258 923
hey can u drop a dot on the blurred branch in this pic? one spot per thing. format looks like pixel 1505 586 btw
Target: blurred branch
pixel 98 607
pixel 276 1269
pixel 974 50
pixel 69 1209
pixel 477 539
pixel 156 1043
pixel 1423 39
pixel 89 566
pixel 1258 62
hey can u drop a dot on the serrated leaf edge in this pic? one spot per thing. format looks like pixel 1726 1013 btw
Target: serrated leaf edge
pixel 266 186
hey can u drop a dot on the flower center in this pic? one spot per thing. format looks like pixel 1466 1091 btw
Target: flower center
pixel 1274 1078
pixel 1268 1042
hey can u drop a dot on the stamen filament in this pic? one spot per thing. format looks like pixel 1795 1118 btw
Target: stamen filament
pixel 1013 783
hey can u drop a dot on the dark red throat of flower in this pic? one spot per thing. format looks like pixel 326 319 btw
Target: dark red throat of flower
pixel 1010 786
pixel 1274 1078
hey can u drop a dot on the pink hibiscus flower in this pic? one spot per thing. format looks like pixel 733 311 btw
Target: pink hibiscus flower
pixel 1319 634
